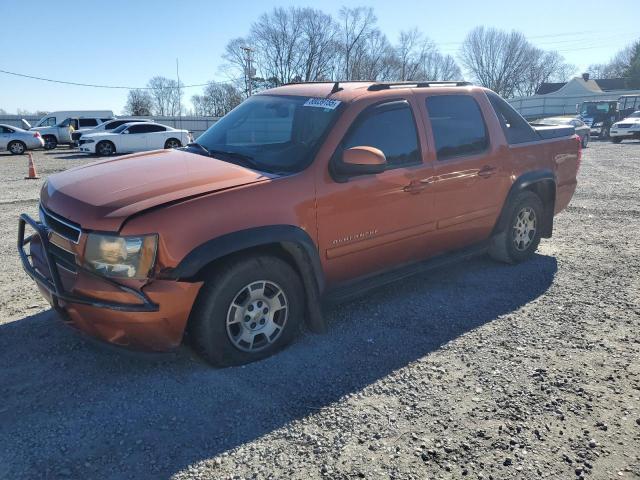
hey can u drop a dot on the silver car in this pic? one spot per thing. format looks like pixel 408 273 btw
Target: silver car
pixel 17 141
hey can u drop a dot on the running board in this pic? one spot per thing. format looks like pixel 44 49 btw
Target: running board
pixel 354 288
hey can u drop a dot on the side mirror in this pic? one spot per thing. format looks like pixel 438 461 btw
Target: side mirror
pixel 361 161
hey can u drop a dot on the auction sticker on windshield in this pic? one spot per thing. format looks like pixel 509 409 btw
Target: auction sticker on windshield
pixel 322 103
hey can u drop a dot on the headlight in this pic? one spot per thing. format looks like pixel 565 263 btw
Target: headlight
pixel 121 257
pixel 599 124
pixel 87 141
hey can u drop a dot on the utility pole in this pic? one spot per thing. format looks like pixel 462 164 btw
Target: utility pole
pixel 248 70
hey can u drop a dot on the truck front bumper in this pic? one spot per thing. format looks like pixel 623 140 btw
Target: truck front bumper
pixel 152 317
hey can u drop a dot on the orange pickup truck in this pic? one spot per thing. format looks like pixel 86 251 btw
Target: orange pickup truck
pixel 303 194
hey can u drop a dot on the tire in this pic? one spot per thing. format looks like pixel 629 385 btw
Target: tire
pixel 172 143
pixel 616 139
pixel 518 242
pixel 585 141
pixel 105 148
pixel 50 142
pixel 227 325
pixel 17 147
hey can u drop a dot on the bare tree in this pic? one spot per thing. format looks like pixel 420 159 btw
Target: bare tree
pixel 166 95
pixel 436 66
pixel 507 63
pixel 318 45
pixel 217 100
pixel 139 103
pixel 357 25
pixel 615 68
pixel 412 50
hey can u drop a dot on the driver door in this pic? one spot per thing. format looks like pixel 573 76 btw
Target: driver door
pixel 134 141
pixel 370 223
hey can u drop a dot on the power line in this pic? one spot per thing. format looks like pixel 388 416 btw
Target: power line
pixel 93 85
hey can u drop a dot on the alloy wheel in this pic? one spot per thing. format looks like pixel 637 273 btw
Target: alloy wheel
pixel 524 229
pixel 17 148
pixel 257 316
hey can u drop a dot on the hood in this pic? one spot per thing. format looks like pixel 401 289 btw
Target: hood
pixel 101 195
pixel 96 134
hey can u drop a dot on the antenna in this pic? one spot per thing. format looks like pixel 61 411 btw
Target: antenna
pixel 179 96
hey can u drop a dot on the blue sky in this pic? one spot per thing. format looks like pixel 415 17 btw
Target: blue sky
pixel 126 42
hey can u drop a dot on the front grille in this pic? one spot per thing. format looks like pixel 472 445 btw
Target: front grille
pixel 63 227
pixel 63 258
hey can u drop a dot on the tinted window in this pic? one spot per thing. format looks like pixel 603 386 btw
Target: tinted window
pixel 390 128
pixel 155 128
pixel 137 129
pixel 5 130
pixel 515 128
pixel 458 126
pixel 102 120
pixel 88 122
pixel 114 124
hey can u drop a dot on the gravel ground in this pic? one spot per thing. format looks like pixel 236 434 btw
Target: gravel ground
pixel 478 371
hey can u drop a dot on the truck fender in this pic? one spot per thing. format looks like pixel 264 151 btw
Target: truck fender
pixel 294 240
pixel 543 183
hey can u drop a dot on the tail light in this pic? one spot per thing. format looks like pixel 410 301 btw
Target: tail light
pixel 37 134
pixel 579 152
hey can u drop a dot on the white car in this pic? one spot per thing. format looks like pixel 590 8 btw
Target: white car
pixel 17 141
pixel 134 137
pixel 626 129
pixel 106 126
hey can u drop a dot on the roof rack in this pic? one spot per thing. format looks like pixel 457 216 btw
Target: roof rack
pixel 387 85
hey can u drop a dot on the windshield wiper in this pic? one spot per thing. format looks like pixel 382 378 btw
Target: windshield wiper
pixel 197 146
pixel 244 160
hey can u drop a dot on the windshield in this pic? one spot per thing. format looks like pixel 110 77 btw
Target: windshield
pixel 635 115
pixel 589 109
pixel 278 133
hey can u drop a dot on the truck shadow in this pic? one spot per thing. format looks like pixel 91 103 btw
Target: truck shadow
pixel 71 409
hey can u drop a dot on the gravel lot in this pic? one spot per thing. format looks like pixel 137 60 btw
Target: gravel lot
pixel 480 371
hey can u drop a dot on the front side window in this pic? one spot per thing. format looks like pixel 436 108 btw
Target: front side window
pixel 274 132
pixel 137 129
pixel 390 128
pixel 88 122
pixel 458 126
pixel 47 122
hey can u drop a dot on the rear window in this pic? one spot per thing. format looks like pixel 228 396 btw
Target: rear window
pixel 516 129
pixel 458 126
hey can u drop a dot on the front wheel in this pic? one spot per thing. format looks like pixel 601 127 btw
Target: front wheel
pixel 50 142
pixel 521 236
pixel 247 310
pixel 105 148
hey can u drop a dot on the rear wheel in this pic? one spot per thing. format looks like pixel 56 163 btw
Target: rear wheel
pixel 16 147
pixel 521 236
pixel 105 148
pixel 50 142
pixel 172 143
pixel 247 310
pixel 616 139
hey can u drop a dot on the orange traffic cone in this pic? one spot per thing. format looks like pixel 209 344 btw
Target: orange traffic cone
pixel 33 175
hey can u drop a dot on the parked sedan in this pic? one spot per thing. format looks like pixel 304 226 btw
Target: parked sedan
pixel 582 130
pixel 134 137
pixel 628 129
pixel 17 141
pixel 105 127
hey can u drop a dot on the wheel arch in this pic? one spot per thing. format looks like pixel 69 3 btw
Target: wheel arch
pixel 543 184
pixel 288 242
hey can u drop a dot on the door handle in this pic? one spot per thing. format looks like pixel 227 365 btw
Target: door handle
pixel 486 171
pixel 416 186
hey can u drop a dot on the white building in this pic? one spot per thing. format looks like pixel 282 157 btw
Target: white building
pixel 553 99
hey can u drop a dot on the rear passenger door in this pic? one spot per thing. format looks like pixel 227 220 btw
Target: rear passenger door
pixel 471 178
pixel 156 136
